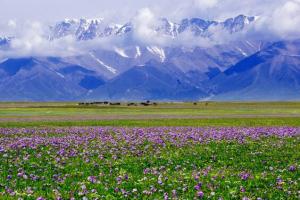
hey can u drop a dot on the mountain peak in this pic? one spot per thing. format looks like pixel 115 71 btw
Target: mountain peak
pixel 4 42
pixel 82 29
pixel 86 29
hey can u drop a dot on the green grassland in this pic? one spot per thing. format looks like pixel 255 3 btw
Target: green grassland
pixel 220 166
pixel 80 165
pixel 164 114
pixel 245 122
pixel 201 109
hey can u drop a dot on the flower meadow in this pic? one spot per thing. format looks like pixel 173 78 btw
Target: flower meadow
pixel 150 163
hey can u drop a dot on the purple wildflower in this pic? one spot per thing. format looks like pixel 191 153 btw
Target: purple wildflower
pixel 166 196
pixel 92 179
pixel 198 186
pixel 200 194
pixel 244 176
pixel 292 168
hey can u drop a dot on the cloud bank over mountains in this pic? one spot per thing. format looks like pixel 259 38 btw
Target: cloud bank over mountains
pixel 66 50
pixel 277 19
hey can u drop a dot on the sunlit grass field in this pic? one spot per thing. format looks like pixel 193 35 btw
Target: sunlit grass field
pixel 172 109
pixel 163 114
pixel 244 122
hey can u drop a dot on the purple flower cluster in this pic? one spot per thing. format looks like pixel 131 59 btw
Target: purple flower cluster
pixel 178 136
pixel 244 176
pixel 157 162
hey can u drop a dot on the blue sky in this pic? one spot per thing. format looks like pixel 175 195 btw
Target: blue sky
pixel 118 10
pixel 279 16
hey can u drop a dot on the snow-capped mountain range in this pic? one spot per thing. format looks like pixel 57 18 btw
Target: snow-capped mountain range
pixel 88 29
pixel 234 70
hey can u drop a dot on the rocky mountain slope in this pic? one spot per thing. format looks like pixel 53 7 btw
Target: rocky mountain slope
pixel 240 69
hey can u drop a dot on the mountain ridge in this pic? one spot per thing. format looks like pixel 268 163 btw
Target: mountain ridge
pixel 244 69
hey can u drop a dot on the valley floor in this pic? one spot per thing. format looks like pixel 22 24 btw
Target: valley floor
pixel 162 114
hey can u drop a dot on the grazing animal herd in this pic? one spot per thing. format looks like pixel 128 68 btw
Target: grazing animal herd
pixel 147 103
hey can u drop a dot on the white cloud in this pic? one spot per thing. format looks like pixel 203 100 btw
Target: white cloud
pixel 12 24
pixel 143 24
pixel 285 20
pixel 280 23
pixel 205 4
pixel 31 40
pixel 279 19
pixel 50 10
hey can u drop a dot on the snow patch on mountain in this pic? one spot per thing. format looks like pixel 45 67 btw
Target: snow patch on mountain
pixel 121 52
pixel 109 68
pixel 242 52
pixel 60 75
pixel 138 52
pixel 250 44
pixel 157 51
